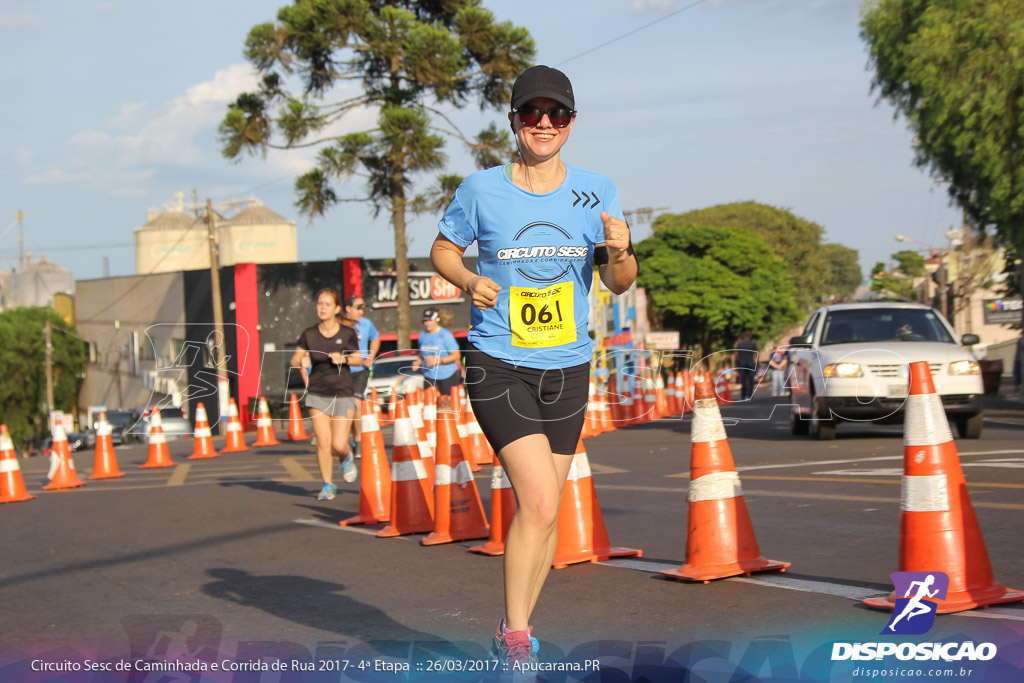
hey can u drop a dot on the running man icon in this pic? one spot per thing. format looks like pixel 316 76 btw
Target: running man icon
pixel 921 592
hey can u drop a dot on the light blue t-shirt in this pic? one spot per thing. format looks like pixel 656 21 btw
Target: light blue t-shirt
pixel 540 249
pixel 439 344
pixel 366 332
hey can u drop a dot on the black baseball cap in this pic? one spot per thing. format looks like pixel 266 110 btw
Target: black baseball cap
pixel 431 314
pixel 542 81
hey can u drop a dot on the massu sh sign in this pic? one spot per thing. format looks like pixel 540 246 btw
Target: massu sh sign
pixel 424 288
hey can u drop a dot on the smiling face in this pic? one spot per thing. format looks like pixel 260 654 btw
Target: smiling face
pixel 540 142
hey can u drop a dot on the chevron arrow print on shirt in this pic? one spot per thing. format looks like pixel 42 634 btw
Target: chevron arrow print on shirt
pixel 582 196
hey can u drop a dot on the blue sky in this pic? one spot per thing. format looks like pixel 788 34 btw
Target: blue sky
pixel 111 107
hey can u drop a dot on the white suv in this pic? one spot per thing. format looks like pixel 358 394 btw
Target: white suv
pixel 851 364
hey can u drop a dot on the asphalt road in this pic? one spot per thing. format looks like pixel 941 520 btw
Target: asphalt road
pixel 233 560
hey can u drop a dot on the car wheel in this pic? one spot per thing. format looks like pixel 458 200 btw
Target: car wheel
pixel 970 427
pixel 797 424
pixel 823 428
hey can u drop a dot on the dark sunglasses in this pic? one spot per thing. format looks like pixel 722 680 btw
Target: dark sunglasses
pixel 358 305
pixel 560 117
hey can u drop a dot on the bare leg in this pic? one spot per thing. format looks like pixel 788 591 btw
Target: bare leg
pixel 537 477
pixel 340 427
pixel 322 430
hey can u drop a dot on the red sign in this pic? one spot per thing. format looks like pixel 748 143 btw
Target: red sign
pixel 442 289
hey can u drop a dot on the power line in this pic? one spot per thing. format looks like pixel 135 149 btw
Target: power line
pixel 629 33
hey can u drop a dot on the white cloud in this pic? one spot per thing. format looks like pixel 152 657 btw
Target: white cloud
pixel 21 20
pixel 23 156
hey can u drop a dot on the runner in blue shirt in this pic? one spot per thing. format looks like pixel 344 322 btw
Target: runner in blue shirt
pixel 369 346
pixel 540 226
pixel 439 354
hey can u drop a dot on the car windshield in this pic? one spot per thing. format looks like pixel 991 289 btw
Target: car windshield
pixel 121 419
pixel 392 367
pixel 884 324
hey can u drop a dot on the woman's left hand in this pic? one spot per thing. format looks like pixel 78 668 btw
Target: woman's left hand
pixel 616 232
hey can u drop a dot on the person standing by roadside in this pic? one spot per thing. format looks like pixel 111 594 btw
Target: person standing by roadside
pixel 528 371
pixel 325 351
pixel 777 363
pixel 369 346
pixel 439 354
pixel 745 359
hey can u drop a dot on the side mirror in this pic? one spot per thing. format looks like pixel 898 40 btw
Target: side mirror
pixel 798 341
pixel 970 339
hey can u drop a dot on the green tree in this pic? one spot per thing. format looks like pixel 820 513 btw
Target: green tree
pixel 900 282
pixel 712 283
pixel 843 274
pixel 23 367
pixel 955 70
pixel 795 240
pixel 412 58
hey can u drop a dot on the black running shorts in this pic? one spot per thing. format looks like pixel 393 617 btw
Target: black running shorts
pixel 512 402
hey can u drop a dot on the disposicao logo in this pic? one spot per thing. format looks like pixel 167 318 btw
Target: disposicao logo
pixel 914 613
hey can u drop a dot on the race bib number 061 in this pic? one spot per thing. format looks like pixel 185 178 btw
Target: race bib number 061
pixel 542 317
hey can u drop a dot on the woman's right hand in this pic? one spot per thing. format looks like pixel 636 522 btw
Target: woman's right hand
pixel 484 291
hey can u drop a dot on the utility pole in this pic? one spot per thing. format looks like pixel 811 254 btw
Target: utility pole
pixel 218 313
pixel 47 330
pixel 21 243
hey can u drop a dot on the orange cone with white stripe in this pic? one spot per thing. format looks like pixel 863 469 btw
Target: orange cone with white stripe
pixel 378 412
pixel 264 426
pixel 203 448
pixel 503 509
pixel 414 403
pixel 296 427
pixel 374 475
pixel 62 472
pixel 430 417
pixel 458 512
pixel 233 441
pixel 158 455
pixel 938 529
pixel 582 536
pixel 104 464
pixel 720 538
pixel 592 418
pixel 478 451
pixel 12 484
pixel 722 392
pixel 607 423
pixel 661 410
pixel 412 501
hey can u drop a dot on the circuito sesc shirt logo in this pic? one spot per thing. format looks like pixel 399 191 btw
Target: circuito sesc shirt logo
pixel 914 613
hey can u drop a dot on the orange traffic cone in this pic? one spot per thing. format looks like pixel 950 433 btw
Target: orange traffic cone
pixel 938 528
pixel 720 538
pixel 477 449
pixel 381 418
pixel 264 426
pixel 12 485
pixel 458 398
pixel 430 416
pixel 62 466
pixel 414 401
pixel 582 535
pixel 722 393
pixel 296 427
pixel 592 418
pixel 203 438
pixel 661 410
pixel 607 423
pixel 671 400
pixel 233 442
pixel 412 501
pixel 104 464
pixel 374 475
pixel 158 455
pixel 458 512
pixel 503 509
pixel 650 400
